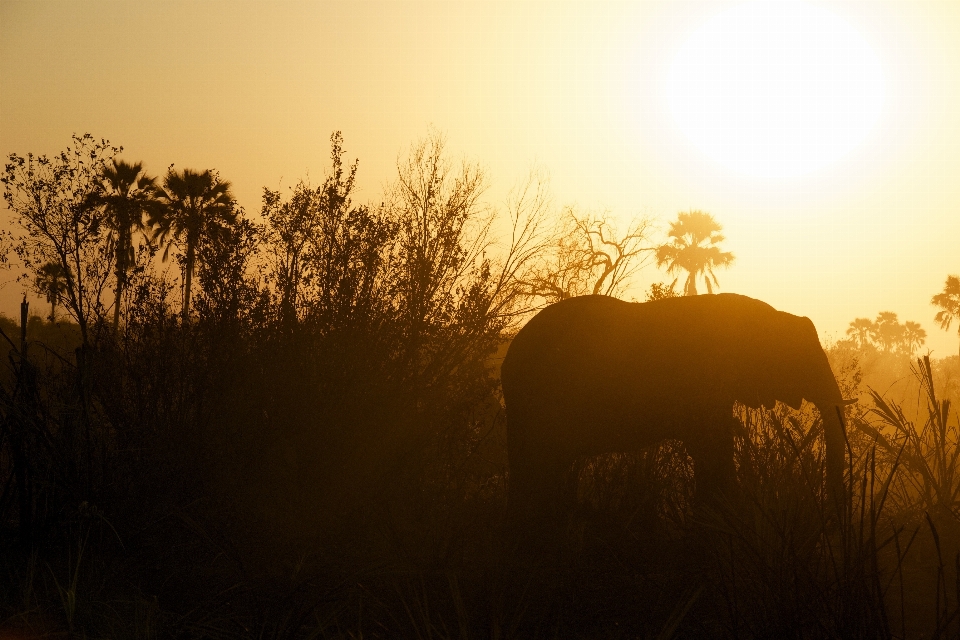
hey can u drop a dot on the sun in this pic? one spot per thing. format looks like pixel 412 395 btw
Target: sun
pixel 775 88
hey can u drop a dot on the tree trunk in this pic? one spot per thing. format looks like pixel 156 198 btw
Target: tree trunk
pixel 116 305
pixel 18 435
pixel 188 281
pixel 24 317
pixel 121 273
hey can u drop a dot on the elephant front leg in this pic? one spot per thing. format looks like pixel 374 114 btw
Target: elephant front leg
pixel 713 464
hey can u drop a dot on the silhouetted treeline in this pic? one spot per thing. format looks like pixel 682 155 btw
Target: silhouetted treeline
pixel 327 398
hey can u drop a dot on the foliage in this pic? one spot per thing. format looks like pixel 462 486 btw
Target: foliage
pixel 887 334
pixel 948 301
pixel 193 208
pixel 327 258
pixel 659 291
pixel 787 555
pixel 51 199
pixel 51 283
pixel 125 195
pixel 694 248
pixel 931 453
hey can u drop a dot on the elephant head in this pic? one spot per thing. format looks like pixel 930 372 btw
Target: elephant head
pixel 779 358
pixel 594 374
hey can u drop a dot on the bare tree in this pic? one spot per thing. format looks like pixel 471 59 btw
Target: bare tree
pixel 587 256
pixel 443 231
pixel 527 210
pixel 458 289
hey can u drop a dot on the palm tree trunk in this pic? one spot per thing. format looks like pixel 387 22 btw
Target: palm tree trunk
pixel 188 281
pixel 121 276
pixel 116 304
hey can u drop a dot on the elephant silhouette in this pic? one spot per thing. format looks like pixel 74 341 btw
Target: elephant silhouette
pixel 595 374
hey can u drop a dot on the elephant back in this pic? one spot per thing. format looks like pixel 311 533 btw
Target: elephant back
pixel 725 345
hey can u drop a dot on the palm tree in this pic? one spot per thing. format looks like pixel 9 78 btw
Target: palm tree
pixel 694 249
pixel 887 332
pixel 913 337
pixel 949 302
pixel 195 206
pixel 51 282
pixel 861 330
pixel 127 194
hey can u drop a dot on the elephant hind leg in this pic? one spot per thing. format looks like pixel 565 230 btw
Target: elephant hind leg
pixel 539 496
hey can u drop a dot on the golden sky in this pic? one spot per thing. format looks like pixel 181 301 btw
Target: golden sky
pixel 586 90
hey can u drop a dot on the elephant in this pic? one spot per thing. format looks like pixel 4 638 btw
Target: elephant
pixel 594 374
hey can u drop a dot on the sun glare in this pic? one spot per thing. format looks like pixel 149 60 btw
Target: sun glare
pixel 775 89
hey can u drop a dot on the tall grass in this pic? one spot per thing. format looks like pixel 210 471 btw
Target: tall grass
pixel 789 562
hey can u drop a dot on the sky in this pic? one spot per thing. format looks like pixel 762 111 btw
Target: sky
pixel 833 162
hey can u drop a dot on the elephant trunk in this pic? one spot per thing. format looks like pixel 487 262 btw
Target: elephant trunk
pixel 830 405
pixel 835 440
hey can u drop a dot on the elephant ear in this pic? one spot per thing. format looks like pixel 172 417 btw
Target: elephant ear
pixel 813 362
pixel 746 345
pixel 789 362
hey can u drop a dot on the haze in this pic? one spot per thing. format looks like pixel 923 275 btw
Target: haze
pixel 255 89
